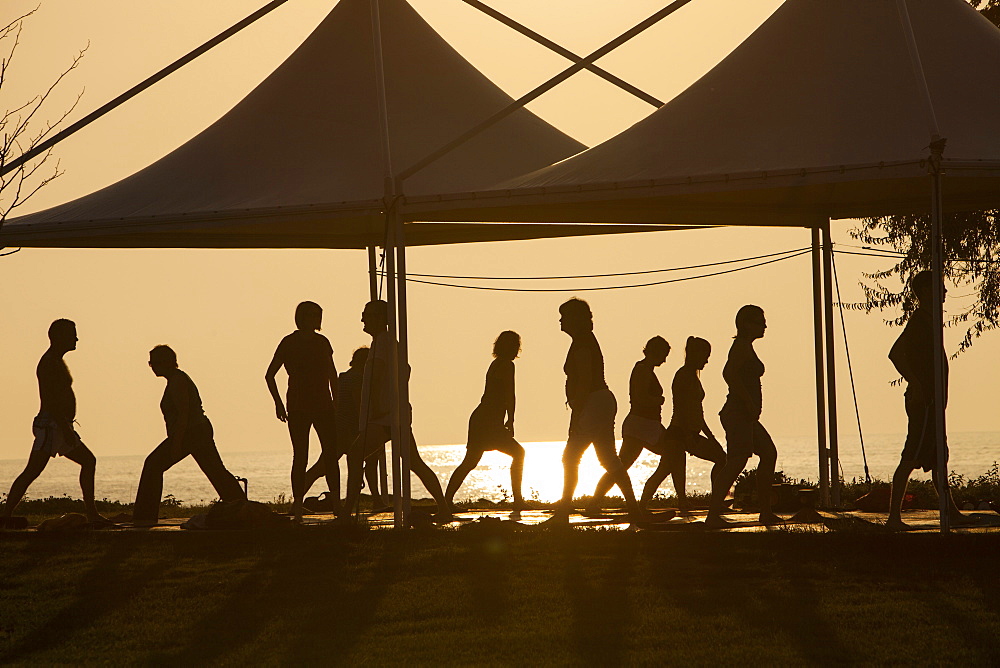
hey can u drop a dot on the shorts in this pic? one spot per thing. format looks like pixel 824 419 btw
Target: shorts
pixel 52 439
pixel 644 429
pixel 595 419
pixel 920 448
pixel 486 432
pixel 745 436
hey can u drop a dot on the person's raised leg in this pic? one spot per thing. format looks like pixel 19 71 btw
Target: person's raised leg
pixel 372 478
pixel 731 470
pixel 326 431
pixel 711 451
pixel 764 447
pixel 953 512
pixel 516 474
pixel 471 460
pixel 427 477
pixel 897 490
pixel 364 446
pixel 207 456
pixel 88 469
pixel 575 447
pixel 605 448
pixel 298 431
pixel 314 473
pixel 630 451
pixel 37 461
pixel 146 511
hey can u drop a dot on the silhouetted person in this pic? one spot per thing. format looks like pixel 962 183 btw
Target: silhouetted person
pixel 53 426
pixel 189 432
pixel 913 356
pixel 593 407
pixel 745 435
pixel 312 387
pixel 375 427
pixel 491 425
pixel 643 426
pixel 348 415
pixel 688 428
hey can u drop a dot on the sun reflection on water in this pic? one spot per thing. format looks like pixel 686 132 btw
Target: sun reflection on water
pixel 543 472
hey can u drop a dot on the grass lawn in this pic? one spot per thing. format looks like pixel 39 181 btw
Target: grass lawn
pixel 318 595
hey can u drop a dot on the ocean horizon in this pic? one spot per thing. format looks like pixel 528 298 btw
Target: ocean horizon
pixel 267 471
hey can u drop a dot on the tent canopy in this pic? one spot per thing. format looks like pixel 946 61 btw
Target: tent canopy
pixel 298 162
pixel 817 115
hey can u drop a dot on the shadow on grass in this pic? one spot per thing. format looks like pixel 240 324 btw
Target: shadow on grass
pixel 602 610
pixel 304 600
pixel 107 586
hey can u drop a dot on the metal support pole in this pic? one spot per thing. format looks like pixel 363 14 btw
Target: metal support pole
pixel 405 410
pixel 401 476
pixel 937 311
pixel 383 464
pixel 399 519
pixel 831 366
pixel 824 453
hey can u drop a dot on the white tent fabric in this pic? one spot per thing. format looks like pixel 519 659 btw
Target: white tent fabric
pixel 298 162
pixel 817 115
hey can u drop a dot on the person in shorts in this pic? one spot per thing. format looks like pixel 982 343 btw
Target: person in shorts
pixel 593 406
pixel 643 426
pixel 53 426
pixel 491 425
pixel 913 356
pixel 307 357
pixel 745 435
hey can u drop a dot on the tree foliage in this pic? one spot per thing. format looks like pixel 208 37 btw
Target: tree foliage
pixel 22 126
pixel 971 251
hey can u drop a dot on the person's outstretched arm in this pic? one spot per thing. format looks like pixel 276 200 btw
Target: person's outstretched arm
pixel 272 370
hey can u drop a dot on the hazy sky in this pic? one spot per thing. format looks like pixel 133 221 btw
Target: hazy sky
pixel 225 311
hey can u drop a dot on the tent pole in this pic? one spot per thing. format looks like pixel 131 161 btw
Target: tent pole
pixel 405 411
pixel 383 464
pixel 831 366
pixel 400 516
pixel 390 281
pixel 817 284
pixel 937 294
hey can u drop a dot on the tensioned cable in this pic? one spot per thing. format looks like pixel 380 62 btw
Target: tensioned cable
pixel 135 90
pixel 624 273
pixel 609 287
pixel 850 371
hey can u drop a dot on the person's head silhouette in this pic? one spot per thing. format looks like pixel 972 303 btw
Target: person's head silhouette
pixel 62 335
pixel 309 316
pixel 750 322
pixel 507 346
pixel 656 350
pixel 697 352
pixel 162 360
pixel 575 317
pixel 375 316
pixel 922 286
pixel 359 357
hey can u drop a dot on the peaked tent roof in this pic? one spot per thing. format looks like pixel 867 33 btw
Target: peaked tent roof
pixel 298 162
pixel 817 115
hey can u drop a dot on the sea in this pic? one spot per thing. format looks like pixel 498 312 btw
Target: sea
pixel 267 472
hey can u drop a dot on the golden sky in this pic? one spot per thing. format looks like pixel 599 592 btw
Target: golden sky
pixel 225 311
